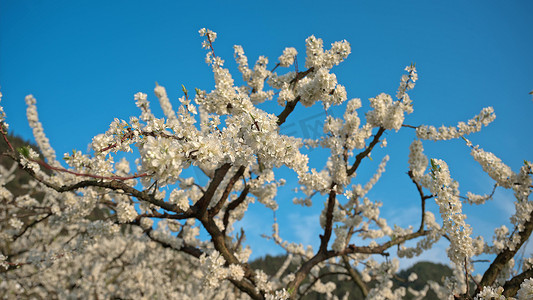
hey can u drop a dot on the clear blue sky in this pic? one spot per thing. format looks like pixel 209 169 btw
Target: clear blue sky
pixel 84 61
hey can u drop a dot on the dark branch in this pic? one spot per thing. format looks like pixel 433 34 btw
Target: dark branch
pixel 355 276
pixel 282 117
pixel 512 286
pixel 423 199
pixel 324 239
pixel 359 157
pixel 503 258
pixel 214 210
pixel 203 203
pixel 233 205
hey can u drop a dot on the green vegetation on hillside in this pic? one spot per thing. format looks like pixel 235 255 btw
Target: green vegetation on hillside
pixel 426 271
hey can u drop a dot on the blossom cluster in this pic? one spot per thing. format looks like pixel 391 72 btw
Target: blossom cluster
pixel 418 162
pixel 484 118
pixel 214 266
pixel 38 132
pixel 387 113
pixel 450 207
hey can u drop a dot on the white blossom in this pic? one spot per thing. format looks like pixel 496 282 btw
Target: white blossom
pixel 447 197
pixel 484 118
pixel 180 198
pixel 242 61
pixel 490 293
pixel 526 289
pixel 387 113
pixel 126 212
pixel 38 132
pixel 3 262
pixel 214 269
pixel 287 59
pixel 477 199
pixel 417 160
pixel 494 167
pixel 278 295
pixel 15 223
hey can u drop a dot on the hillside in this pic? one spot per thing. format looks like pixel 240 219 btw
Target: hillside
pixel 425 270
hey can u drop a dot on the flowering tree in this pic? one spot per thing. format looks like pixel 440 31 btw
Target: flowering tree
pixel 98 228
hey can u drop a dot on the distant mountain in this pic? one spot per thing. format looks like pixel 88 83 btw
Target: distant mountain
pixel 425 270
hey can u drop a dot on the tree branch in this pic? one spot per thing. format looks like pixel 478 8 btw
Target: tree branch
pixel 355 276
pixel 214 210
pixel 203 203
pixel 233 205
pixel 501 260
pixel 512 286
pixel 324 239
pixel 359 157
pixel 219 241
pixel 282 117
pixel 423 199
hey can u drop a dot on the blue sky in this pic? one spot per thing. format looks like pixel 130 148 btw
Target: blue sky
pixel 84 61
